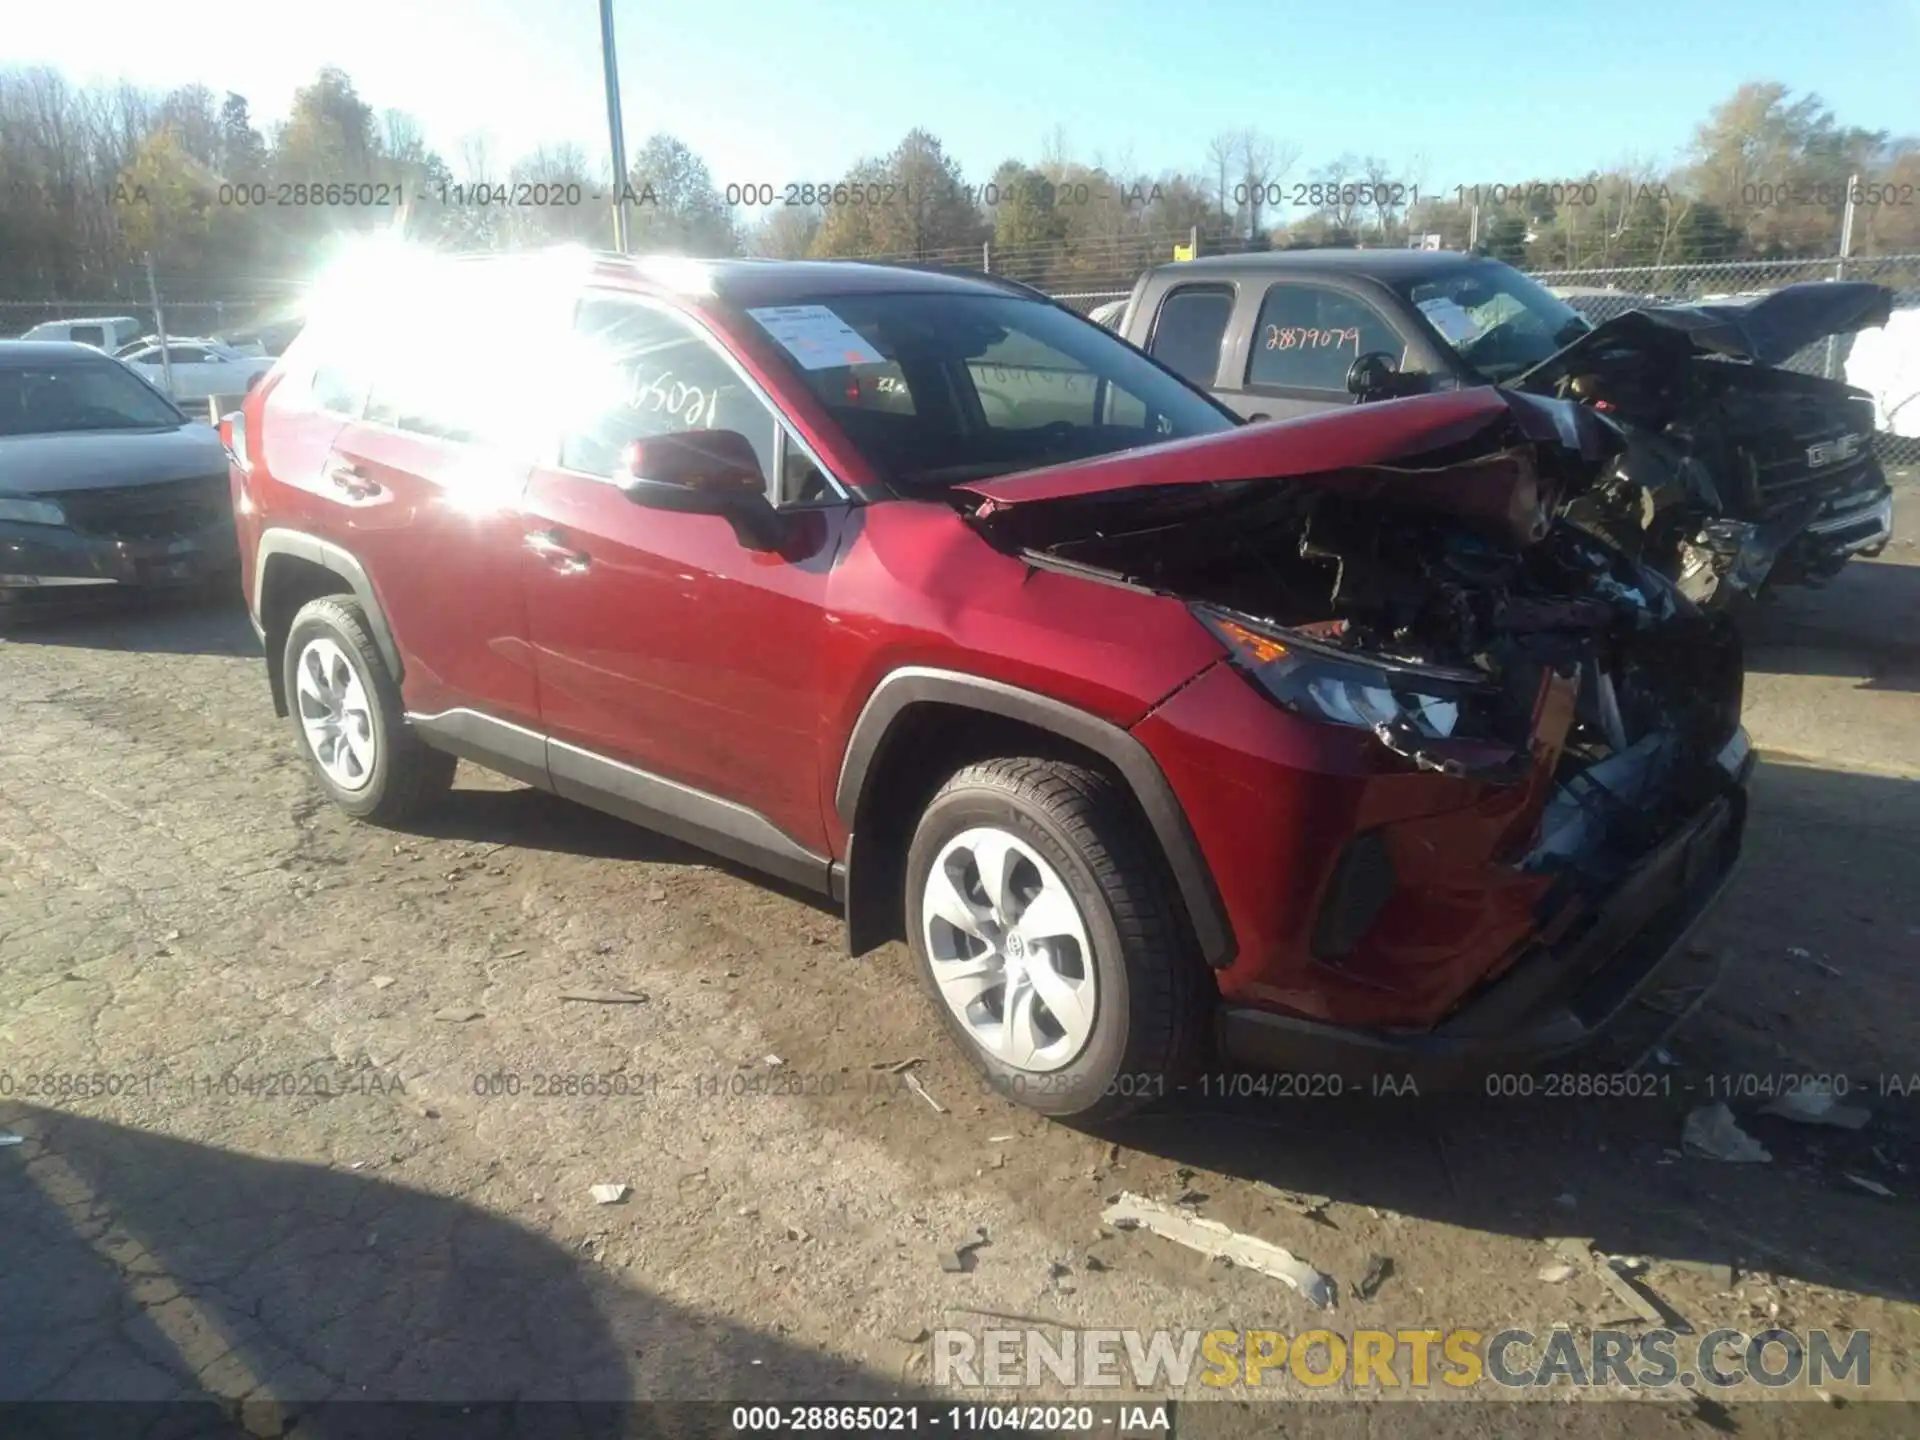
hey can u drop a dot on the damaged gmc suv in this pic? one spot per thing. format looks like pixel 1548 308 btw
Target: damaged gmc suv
pixel 1156 736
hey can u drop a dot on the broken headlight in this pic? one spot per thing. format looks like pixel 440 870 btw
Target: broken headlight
pixel 1373 693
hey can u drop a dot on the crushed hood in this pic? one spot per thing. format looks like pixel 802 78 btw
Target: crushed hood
pixel 1767 331
pixel 1474 452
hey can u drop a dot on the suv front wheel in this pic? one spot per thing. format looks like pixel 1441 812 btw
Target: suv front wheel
pixel 351 722
pixel 1043 925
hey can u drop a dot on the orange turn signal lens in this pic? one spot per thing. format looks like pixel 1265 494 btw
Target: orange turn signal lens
pixel 1260 648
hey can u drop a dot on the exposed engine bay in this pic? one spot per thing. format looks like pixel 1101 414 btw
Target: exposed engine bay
pixel 1734 474
pixel 1446 637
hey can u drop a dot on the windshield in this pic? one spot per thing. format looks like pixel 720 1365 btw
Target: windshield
pixel 1496 319
pixel 942 389
pixel 72 396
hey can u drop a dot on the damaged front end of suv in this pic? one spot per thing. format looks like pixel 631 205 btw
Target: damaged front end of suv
pixel 1733 474
pixel 1408 579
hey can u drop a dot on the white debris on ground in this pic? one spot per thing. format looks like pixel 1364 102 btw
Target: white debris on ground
pixel 1210 1237
pixel 1816 1106
pixel 1711 1134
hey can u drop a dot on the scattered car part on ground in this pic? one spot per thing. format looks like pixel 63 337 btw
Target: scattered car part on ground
pixel 104 484
pixel 1711 1133
pixel 1210 1237
pixel 1813 1105
pixel 1735 474
pixel 1322 746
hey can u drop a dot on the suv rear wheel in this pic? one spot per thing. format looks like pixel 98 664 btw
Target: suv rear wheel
pixel 1042 923
pixel 352 725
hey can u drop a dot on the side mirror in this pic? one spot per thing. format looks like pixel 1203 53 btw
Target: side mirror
pixel 705 472
pixel 1372 375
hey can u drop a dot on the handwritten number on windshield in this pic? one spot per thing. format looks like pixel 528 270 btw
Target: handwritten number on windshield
pixel 690 405
pixel 1294 337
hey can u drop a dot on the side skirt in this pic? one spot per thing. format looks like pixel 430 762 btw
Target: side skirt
pixel 666 806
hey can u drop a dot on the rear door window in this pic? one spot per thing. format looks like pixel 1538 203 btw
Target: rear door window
pixel 1188 330
pixel 473 354
pixel 94 335
pixel 1308 335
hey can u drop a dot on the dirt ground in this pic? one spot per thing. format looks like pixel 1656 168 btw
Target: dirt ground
pixel 310 1178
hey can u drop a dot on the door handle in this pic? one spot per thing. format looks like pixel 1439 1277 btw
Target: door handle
pixel 557 553
pixel 351 479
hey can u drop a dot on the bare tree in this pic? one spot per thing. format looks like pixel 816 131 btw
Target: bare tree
pixel 1340 197
pixel 1264 164
pixel 476 158
pixel 1385 194
pixel 1223 152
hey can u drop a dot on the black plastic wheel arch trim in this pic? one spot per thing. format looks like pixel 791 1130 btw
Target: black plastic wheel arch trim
pixel 912 685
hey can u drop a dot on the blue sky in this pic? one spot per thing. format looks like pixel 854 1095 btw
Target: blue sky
pixel 766 91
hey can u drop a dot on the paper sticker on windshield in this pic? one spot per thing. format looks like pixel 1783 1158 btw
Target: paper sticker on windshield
pixel 816 337
pixel 1453 323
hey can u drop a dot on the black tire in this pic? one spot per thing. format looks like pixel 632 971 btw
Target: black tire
pixel 1152 995
pixel 407 776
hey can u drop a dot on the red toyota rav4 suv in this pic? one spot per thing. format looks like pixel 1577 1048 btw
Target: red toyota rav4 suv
pixel 1156 735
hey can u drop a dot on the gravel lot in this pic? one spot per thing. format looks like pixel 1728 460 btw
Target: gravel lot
pixel 310 1180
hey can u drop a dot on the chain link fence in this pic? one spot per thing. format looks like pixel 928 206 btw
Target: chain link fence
pixel 203 319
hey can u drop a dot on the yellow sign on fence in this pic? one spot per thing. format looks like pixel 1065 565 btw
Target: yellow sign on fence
pixel 1183 252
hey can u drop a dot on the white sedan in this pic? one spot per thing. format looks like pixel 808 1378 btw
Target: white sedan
pixel 200 368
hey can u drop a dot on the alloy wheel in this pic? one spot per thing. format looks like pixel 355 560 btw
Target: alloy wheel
pixel 335 714
pixel 1009 950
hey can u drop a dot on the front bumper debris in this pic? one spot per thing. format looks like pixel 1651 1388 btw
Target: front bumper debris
pixel 49 562
pixel 1860 525
pixel 1554 999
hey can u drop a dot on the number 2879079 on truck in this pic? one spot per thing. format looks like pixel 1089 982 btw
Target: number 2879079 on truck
pixel 1155 736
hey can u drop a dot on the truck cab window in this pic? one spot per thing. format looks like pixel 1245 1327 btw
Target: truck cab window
pixel 1188 331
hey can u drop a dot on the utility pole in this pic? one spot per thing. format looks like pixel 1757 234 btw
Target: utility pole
pixel 1832 369
pixel 615 129
pixel 160 326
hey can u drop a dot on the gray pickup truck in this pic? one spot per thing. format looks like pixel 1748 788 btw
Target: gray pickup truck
pixel 1732 473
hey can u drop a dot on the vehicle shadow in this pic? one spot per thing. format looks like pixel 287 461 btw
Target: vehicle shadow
pixel 158 622
pixel 1886 669
pixel 528 818
pixel 1871 610
pixel 150 1271
pixel 1817 935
